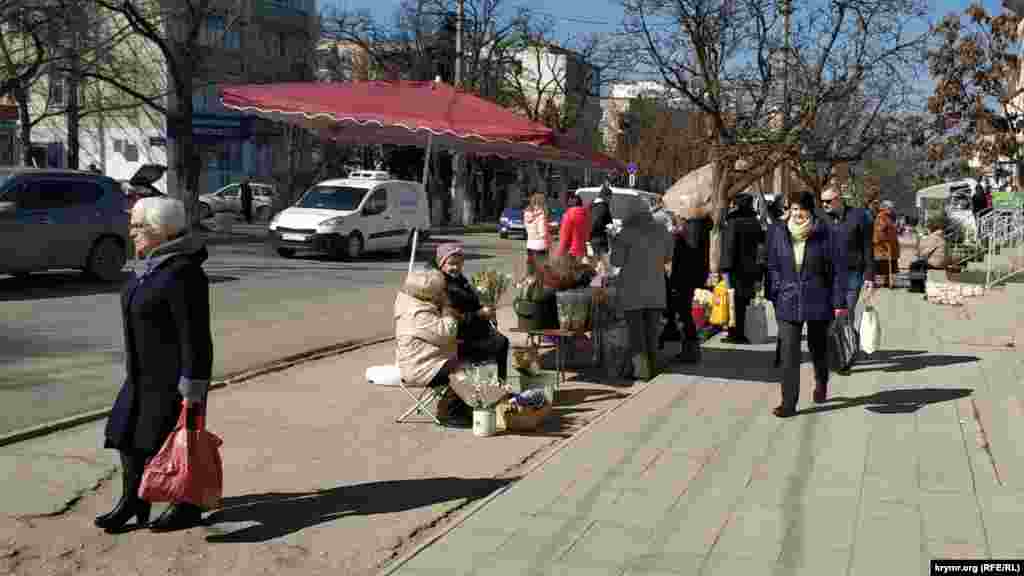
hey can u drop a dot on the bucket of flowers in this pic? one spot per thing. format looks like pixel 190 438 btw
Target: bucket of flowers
pixel 491 285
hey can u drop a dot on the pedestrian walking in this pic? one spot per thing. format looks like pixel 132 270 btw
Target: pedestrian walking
pixel 808 272
pixel 538 232
pixel 886 243
pixel 168 354
pixel 664 219
pixel 690 266
pixel 246 196
pixel 856 225
pixel 600 218
pixel 643 250
pixel 742 237
pixel 575 230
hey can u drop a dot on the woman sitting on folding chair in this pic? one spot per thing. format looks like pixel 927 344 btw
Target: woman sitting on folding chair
pixel 425 331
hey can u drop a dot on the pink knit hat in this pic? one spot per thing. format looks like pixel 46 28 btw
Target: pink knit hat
pixel 445 251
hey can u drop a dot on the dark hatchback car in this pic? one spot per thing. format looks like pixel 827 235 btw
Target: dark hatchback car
pixel 512 223
pixel 54 219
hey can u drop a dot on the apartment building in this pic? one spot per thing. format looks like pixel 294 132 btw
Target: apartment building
pixel 250 41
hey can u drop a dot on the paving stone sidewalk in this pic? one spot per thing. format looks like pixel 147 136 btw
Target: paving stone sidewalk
pixel 917 457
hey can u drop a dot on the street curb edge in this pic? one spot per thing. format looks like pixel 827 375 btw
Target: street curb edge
pixel 397 564
pixel 277 366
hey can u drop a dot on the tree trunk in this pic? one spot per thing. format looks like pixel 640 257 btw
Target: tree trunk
pixel 22 99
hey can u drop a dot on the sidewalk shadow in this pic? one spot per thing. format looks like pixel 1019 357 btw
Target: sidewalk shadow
pixel 908 361
pixel 577 396
pixel 278 514
pixel 903 401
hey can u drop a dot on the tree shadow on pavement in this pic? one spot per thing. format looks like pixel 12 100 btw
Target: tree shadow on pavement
pixel 576 396
pixel 67 284
pixel 903 401
pixel 277 514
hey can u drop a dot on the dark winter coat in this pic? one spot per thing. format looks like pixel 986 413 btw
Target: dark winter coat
pixel 168 345
pixel 742 237
pixel 463 297
pixel 600 218
pixel 820 287
pixel 857 228
pixel 690 257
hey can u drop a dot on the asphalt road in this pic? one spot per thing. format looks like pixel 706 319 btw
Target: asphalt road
pixel 61 341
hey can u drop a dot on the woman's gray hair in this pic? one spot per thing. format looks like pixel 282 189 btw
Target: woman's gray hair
pixel 426 284
pixel 162 214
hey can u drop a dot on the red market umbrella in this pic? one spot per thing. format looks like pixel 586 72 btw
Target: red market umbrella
pixel 402 112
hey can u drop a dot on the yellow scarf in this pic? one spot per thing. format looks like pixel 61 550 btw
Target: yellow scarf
pixel 799 233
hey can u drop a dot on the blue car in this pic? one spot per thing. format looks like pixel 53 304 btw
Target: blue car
pixel 511 221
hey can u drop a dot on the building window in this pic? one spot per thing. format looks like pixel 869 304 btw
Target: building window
pixel 215 33
pixel 131 152
pixel 56 89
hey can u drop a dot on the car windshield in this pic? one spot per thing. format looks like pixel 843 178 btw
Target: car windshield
pixel 332 197
pixel 5 175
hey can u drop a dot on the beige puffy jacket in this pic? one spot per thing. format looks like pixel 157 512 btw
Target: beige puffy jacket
pixel 425 338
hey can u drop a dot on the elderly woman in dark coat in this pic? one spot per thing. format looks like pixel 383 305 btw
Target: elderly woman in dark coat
pixel 168 352
pixel 807 276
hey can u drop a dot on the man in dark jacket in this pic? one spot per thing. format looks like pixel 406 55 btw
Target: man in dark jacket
pixel 857 226
pixel 600 218
pixel 246 193
pixel 743 235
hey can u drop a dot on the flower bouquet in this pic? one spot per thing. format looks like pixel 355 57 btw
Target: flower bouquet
pixel 491 285
pixel 479 386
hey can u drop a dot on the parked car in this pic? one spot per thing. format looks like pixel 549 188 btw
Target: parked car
pixel 620 196
pixel 141 183
pixel 229 199
pixel 511 221
pixel 369 211
pixel 53 219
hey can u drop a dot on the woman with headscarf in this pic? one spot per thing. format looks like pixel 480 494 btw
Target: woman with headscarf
pixel 807 273
pixel 643 249
pixel 481 341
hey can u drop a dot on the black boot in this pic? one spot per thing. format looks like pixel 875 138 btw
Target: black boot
pixel 178 516
pixel 130 505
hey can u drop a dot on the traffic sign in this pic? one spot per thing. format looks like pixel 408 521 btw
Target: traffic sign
pixel 631 168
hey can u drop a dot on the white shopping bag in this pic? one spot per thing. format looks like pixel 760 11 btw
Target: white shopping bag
pixel 870 330
pixel 760 321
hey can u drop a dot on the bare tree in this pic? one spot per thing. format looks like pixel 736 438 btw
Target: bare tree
pixel 24 55
pixel 761 81
pixel 178 32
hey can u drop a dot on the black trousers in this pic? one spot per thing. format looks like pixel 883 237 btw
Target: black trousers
pixel 790 356
pixel 683 301
pixel 494 347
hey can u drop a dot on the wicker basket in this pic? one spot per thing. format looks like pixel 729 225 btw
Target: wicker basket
pixel 524 419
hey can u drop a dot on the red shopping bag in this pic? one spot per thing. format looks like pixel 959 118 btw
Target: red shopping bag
pixel 188 467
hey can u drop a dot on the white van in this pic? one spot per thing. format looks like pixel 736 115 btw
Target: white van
pixel 619 198
pixel 368 211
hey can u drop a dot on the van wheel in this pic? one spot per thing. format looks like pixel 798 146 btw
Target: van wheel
pixel 262 214
pixel 106 259
pixel 354 246
pixel 286 252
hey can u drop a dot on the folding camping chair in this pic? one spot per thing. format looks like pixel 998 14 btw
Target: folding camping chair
pixel 423 402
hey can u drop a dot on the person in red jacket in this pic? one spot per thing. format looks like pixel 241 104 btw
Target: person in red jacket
pixel 575 231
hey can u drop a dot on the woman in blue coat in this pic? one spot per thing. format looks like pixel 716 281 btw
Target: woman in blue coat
pixel 807 281
pixel 168 354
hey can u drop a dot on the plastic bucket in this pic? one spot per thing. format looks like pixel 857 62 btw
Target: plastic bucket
pixel 699 318
pixel 574 308
pixel 485 422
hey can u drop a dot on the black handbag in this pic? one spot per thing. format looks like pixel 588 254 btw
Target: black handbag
pixel 843 343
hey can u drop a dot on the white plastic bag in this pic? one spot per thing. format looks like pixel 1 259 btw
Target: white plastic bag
pixel 870 330
pixel 760 319
pixel 383 375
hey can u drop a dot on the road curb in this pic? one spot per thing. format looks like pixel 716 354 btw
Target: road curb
pixel 231 379
pixel 395 565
